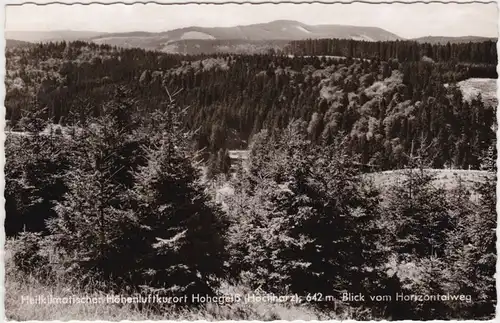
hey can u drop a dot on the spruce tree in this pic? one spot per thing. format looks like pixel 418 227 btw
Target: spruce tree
pixel 36 161
pixel 417 213
pixel 181 245
pixel 310 220
pixel 140 218
pixel 95 213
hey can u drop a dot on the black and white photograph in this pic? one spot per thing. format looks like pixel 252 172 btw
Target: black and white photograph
pixel 250 160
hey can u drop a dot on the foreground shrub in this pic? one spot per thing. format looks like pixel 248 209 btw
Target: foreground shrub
pixel 35 164
pixel 27 254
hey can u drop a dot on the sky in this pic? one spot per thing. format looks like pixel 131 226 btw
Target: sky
pixel 405 20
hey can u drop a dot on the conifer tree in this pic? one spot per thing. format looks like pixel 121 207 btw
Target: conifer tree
pixel 309 220
pixel 36 160
pixel 144 221
pixel 95 213
pixel 417 214
pixel 181 246
pixel 483 238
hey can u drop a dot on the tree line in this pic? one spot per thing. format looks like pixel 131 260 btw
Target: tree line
pixel 472 52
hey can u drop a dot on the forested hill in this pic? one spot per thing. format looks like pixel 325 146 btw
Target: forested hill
pixel 443 40
pixel 382 106
pixel 472 52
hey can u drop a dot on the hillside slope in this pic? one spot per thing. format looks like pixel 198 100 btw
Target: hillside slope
pixel 279 29
pixel 272 31
pixel 11 43
pixel 383 108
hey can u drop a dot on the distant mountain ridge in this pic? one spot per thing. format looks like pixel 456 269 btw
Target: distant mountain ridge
pixel 275 30
pixel 249 38
pixel 253 38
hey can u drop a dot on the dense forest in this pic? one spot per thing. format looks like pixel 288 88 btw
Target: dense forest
pixel 302 219
pixel 105 187
pixel 385 107
pixel 471 52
